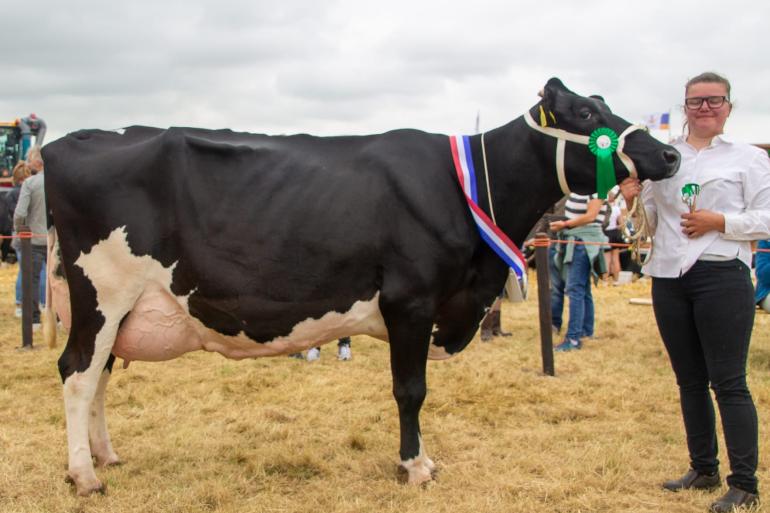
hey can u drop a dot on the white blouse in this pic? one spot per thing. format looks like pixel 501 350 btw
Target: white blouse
pixel 734 180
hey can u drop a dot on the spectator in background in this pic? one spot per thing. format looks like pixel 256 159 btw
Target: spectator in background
pixel 343 351
pixel 572 267
pixel 6 223
pixel 21 172
pixel 612 231
pixel 30 213
pixel 490 326
pixel 762 263
pixel 702 293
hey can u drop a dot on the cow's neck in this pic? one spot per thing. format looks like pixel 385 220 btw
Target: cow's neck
pixel 523 182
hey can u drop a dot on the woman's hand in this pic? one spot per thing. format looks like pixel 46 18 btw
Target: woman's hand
pixel 630 188
pixel 701 222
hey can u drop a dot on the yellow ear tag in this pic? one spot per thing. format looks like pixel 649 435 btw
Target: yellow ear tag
pixel 552 117
pixel 543 121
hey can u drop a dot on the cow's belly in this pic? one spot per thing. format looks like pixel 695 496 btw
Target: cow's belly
pixel 159 328
pixel 158 325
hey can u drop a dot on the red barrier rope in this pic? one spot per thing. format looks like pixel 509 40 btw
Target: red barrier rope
pixel 544 243
pixel 23 235
pixel 536 243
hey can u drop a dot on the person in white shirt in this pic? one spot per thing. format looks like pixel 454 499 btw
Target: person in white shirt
pixel 701 287
pixel 612 231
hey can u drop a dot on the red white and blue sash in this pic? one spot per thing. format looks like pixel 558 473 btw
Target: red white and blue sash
pixel 492 235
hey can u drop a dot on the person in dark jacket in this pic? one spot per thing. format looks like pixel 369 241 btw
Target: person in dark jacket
pixel 21 172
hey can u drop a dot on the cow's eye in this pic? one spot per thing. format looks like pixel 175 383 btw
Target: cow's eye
pixel 585 114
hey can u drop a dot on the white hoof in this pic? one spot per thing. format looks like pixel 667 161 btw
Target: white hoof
pixel 420 470
pixel 85 486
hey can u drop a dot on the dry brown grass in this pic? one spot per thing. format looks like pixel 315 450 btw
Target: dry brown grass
pixel 204 434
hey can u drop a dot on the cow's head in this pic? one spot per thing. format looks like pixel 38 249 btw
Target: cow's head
pixel 573 118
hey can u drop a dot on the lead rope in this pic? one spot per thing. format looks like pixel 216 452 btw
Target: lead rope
pixel 486 177
pixel 641 233
pixel 637 214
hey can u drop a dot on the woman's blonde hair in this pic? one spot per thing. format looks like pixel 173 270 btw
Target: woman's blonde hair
pixel 711 78
pixel 20 173
pixel 35 159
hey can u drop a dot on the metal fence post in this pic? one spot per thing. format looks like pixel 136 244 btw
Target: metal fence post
pixel 26 287
pixel 544 302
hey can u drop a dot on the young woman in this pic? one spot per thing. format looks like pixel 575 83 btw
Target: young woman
pixel 702 293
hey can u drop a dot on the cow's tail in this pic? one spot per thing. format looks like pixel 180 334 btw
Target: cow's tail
pixel 49 317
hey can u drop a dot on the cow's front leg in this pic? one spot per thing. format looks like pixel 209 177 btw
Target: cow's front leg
pixel 408 359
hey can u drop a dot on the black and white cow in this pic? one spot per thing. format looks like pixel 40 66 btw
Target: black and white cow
pixel 249 245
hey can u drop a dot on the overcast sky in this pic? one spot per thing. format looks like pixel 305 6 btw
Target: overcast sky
pixel 358 66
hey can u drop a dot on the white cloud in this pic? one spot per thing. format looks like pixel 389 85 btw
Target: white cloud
pixel 350 66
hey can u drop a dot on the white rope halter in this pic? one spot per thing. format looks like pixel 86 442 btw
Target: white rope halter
pixel 563 136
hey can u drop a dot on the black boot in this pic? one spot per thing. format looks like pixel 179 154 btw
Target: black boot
pixel 695 480
pixel 487 327
pixel 733 499
pixel 496 329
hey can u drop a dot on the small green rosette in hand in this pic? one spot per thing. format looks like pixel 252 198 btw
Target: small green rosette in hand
pixel 690 194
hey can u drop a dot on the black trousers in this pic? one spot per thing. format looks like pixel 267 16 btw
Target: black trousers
pixel 705 318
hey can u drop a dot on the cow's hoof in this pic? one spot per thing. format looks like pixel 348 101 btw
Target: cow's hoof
pixel 85 487
pixel 112 461
pixel 417 473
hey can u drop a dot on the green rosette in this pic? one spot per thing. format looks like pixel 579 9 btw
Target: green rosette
pixel 603 142
pixel 690 190
pixel 690 193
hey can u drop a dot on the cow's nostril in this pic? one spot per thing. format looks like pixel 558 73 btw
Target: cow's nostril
pixel 671 157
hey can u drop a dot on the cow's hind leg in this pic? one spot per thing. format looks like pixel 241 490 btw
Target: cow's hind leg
pixel 409 340
pixel 101 447
pixel 82 368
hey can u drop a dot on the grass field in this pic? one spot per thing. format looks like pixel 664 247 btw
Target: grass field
pixel 205 434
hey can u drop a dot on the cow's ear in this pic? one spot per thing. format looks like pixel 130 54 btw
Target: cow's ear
pixel 553 88
pixel 601 99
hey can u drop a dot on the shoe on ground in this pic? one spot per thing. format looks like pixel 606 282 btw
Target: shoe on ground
pixel 568 345
pixel 695 480
pixel 313 354
pixel 343 353
pixel 298 356
pixel 734 499
pixel 17 313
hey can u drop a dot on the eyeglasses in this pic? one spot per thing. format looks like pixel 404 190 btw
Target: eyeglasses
pixel 713 102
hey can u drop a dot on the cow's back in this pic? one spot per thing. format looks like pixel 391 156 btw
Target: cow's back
pixel 262 232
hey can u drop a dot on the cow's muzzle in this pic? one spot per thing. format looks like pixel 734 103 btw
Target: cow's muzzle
pixel 671 161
